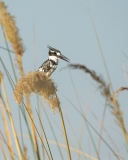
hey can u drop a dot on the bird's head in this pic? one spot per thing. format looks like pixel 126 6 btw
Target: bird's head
pixel 55 54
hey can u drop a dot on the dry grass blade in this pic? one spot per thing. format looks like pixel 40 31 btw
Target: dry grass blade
pixel 105 130
pixel 61 145
pixel 37 82
pixel 65 134
pixel 3 151
pixel 105 142
pixel 11 120
pixel 6 127
pixel 117 112
pixel 25 153
pixel 2 138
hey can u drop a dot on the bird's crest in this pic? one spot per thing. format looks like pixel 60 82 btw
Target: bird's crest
pixel 52 48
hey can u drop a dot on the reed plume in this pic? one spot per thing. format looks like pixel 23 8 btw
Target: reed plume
pixel 111 99
pixel 12 34
pixel 37 82
pixel 104 88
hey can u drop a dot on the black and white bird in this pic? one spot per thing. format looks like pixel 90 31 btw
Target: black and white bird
pixel 51 64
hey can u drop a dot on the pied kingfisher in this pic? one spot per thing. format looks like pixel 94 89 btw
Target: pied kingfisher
pixel 50 65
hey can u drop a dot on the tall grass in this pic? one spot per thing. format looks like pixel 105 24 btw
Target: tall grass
pixel 14 146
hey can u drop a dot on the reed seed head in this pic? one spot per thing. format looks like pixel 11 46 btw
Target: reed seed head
pixel 37 82
pixel 11 31
pixel 105 91
pixel 104 88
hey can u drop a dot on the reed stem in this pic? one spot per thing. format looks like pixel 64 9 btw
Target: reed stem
pixel 64 130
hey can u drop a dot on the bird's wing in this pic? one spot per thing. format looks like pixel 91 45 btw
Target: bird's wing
pixel 45 67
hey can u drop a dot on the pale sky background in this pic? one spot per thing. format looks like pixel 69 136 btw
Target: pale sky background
pixel 66 25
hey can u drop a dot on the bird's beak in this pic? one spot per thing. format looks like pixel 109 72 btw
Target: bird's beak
pixel 63 58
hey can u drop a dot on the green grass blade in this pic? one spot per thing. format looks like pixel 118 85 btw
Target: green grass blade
pixel 53 133
pixel 39 111
pixel 44 134
pixel 100 48
pixel 7 73
pixel 9 55
pixel 36 129
pixel 28 128
pixel 6 49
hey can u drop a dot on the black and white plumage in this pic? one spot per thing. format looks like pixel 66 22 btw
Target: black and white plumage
pixel 51 64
